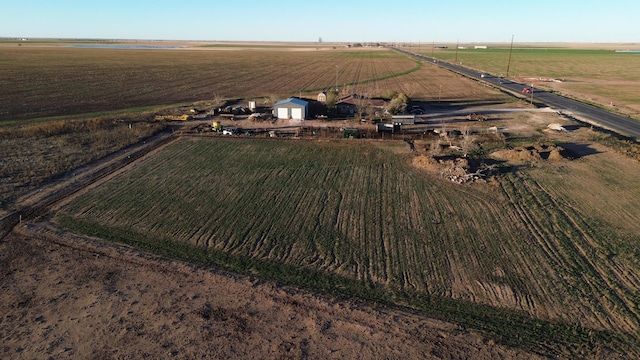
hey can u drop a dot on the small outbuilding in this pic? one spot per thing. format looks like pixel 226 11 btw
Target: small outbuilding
pixel 291 108
pixel 322 96
pixel 404 119
pixel 392 128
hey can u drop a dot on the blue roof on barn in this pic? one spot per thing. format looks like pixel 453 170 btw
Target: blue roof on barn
pixel 293 101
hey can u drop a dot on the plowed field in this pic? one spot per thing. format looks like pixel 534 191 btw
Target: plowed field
pixel 357 218
pixel 38 81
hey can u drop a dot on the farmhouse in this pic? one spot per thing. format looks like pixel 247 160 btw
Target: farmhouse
pixel 291 108
pixel 350 104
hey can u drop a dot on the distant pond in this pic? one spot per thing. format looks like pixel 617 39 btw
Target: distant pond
pixel 128 47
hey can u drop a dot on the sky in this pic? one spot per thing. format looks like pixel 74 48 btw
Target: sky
pixel 463 21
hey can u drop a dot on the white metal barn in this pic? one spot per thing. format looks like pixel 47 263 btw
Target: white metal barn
pixel 291 108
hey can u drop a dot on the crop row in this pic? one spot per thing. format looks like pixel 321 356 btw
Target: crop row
pixel 358 214
pixel 39 82
pixel 603 290
pixel 348 209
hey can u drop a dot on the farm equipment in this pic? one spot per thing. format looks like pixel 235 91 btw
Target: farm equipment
pixel 216 126
pixel 476 117
pixel 173 117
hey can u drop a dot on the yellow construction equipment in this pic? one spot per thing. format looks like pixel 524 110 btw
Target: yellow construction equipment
pixel 173 117
pixel 216 126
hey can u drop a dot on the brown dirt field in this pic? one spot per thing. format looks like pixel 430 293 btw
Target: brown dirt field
pixel 43 81
pixel 64 296
pixel 62 292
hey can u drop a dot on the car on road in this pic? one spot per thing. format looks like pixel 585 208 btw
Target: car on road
pixel 227 132
pixel 483 75
pixel 526 91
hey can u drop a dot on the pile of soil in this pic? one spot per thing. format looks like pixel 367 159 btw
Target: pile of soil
pixel 428 163
pixel 458 170
pixel 532 153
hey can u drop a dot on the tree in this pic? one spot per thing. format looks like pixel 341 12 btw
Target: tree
pixel 332 98
pixel 217 100
pixel 468 142
pixel 435 147
pixel 398 104
pixel 362 105
pixel 390 94
pixel 273 98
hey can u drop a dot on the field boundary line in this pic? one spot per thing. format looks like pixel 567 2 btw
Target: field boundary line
pixel 46 198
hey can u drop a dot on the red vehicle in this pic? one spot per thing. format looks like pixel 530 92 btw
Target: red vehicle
pixel 526 91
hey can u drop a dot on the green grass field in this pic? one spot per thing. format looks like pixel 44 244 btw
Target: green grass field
pixel 354 218
pixel 549 62
pixel 603 77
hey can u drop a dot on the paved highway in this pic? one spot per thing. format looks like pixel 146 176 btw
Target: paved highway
pixel 588 113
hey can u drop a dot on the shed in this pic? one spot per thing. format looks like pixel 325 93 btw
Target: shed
pixel 395 127
pixel 404 119
pixel 322 96
pixel 291 108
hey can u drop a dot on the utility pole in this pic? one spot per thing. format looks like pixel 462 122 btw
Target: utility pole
pixel 510 50
pixel 531 93
pixel 457 46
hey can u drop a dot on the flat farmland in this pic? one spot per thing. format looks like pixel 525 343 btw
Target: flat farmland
pixel 510 259
pixel 42 81
pixel 596 75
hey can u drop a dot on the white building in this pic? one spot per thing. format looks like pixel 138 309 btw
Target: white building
pixel 291 108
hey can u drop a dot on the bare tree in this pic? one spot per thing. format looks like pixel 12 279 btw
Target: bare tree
pixel 362 103
pixel 273 98
pixel 435 147
pixel 468 142
pixel 217 100
pixel 346 90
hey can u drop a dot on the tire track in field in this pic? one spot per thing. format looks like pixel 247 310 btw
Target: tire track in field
pixel 622 288
pixel 567 250
pixel 578 243
pixel 354 85
pixel 374 75
pixel 553 255
pixel 272 81
pixel 309 85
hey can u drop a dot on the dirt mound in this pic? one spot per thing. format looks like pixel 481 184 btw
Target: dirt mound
pixel 533 153
pixel 458 170
pixel 556 155
pixel 426 163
